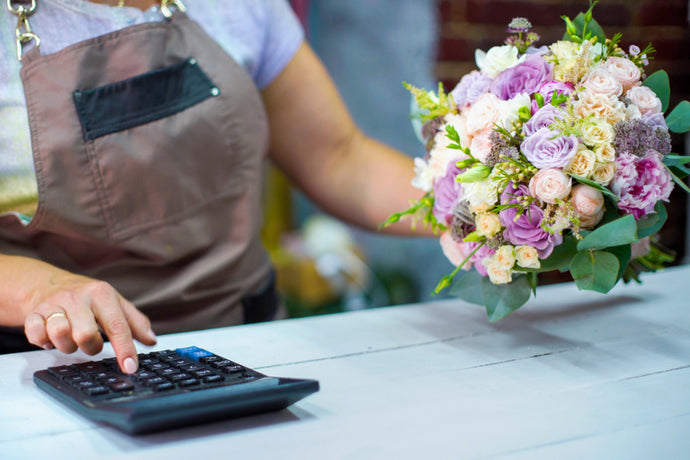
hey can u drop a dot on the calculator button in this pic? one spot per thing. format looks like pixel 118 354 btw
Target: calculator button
pixel 164 387
pixel 213 378
pixel 97 390
pixel 178 377
pixel 63 371
pixel 154 381
pixel 188 382
pixel 122 386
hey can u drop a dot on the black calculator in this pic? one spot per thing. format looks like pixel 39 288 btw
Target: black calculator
pixel 172 388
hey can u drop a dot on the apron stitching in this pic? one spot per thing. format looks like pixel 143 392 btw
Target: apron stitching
pixel 100 187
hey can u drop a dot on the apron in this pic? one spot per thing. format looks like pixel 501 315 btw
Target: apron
pixel 149 146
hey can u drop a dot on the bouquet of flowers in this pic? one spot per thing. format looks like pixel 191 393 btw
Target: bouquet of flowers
pixel 548 158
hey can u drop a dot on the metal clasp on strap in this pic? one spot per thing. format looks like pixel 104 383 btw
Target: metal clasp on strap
pixel 23 31
pixel 166 4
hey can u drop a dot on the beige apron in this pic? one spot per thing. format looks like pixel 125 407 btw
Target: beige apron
pixel 149 145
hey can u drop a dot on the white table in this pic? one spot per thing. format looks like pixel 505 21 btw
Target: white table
pixel 571 375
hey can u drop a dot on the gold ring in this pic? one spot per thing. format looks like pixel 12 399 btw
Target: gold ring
pixel 55 315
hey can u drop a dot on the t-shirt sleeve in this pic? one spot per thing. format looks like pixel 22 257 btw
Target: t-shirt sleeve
pixel 283 36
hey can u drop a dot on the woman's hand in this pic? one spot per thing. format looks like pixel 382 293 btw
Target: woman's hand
pixel 67 311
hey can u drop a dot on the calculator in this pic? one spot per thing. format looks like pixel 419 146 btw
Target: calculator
pixel 172 388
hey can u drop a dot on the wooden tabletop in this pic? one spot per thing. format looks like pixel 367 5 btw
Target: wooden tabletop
pixel 570 375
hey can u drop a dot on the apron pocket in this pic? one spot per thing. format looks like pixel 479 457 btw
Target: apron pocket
pixel 141 99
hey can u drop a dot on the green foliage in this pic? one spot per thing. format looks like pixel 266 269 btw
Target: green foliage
pixel 678 120
pixel 660 84
pixel 500 300
pixel 595 270
pixel 584 27
pixel 620 231
pixel 435 105
pixel 420 210
pixel 652 223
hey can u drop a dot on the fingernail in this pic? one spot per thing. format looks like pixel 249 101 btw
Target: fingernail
pixel 152 335
pixel 130 365
pixel 48 346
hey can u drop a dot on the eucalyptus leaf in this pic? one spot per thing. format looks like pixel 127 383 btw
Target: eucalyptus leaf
pixel 679 181
pixel 660 84
pixel 593 27
pixel 676 164
pixel 678 121
pixel 623 254
pixel 500 300
pixel 559 258
pixel 652 223
pixel 466 287
pixel 620 231
pixel 595 271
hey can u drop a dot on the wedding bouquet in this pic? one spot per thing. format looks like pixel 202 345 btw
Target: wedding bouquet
pixel 548 158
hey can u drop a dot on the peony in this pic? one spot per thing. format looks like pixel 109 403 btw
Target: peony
pixel 544 149
pixel 526 228
pixel 526 77
pixel 645 99
pixel 641 182
pixel 588 204
pixel 497 59
pixel 527 257
pixel 623 70
pixel 550 185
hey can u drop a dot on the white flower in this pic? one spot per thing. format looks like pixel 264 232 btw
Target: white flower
pixel 481 195
pixel 497 274
pixel 497 59
pixel 505 256
pixel 508 110
pixel 424 177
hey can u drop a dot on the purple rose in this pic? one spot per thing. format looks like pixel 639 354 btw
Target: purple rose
pixel 549 88
pixel 523 78
pixel 470 87
pixel 655 120
pixel 543 118
pixel 546 149
pixel 447 193
pixel 526 229
pixel 641 182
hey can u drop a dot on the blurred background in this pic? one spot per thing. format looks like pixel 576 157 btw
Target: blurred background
pixel 369 48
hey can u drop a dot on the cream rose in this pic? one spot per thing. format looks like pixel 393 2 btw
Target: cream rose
pixel 597 105
pixel 505 256
pixel 605 153
pixel 623 70
pixel 488 224
pixel 597 133
pixel 527 256
pixel 603 173
pixel 588 203
pixel 645 99
pixel 550 185
pixel 482 114
pixel 582 164
pixel 601 81
pixel 497 59
pixel 497 274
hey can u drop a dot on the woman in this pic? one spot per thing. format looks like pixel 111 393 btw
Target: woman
pixel 140 209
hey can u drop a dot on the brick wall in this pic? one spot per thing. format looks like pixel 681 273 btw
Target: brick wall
pixel 466 25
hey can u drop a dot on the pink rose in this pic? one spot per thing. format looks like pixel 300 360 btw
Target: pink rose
pixel 482 114
pixel 645 99
pixel 623 70
pixel 601 81
pixel 455 252
pixel 588 203
pixel 480 147
pixel 550 185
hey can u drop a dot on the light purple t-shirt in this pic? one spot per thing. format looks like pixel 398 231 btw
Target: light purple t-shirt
pixel 261 35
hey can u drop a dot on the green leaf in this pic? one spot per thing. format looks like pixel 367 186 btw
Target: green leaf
pixel 466 287
pixel 620 231
pixel 594 185
pixel 500 300
pixel 678 120
pixel 560 257
pixel 578 26
pixel 676 164
pixel 678 181
pixel 660 84
pixel 652 223
pixel 623 254
pixel 595 271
